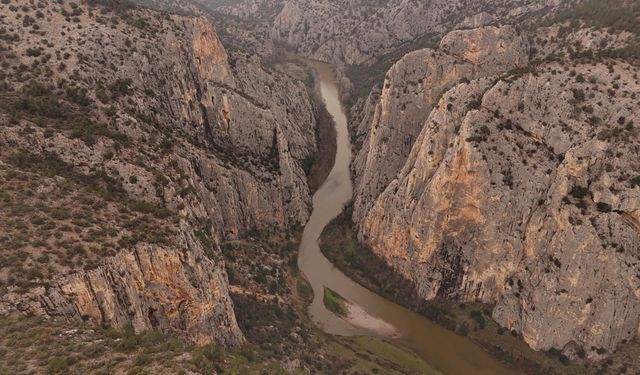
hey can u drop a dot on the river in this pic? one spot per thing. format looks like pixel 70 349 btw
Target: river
pixel 442 349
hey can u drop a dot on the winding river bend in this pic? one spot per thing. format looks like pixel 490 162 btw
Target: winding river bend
pixel 442 349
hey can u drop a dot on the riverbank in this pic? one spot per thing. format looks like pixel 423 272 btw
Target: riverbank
pixel 271 300
pixel 356 315
pixel 354 355
pixel 338 243
pixel 319 167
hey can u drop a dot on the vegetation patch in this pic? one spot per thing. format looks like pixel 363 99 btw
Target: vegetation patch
pixel 334 302
pixel 55 220
pixel 614 15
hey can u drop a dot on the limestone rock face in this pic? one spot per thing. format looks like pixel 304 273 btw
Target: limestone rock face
pixel 477 20
pixel 211 137
pixel 519 191
pixel 393 120
pixel 210 57
pixel 178 292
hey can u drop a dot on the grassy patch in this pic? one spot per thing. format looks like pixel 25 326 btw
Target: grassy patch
pixel 334 302
pixel 372 355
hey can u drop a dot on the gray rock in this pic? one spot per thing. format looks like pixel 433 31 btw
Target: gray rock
pixel 391 123
pixel 520 199
pixel 481 19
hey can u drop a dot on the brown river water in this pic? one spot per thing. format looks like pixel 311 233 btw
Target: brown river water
pixel 442 349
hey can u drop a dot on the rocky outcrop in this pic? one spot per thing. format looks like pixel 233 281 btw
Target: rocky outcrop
pixel 493 49
pixel 477 20
pixel 393 119
pixel 520 192
pixel 178 291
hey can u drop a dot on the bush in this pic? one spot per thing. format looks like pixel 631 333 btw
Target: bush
pixel 462 329
pixel 150 208
pixel 87 130
pixel 206 359
pixel 115 5
pixel 78 96
pixel 618 15
pixel 102 96
pixel 60 365
pixel 38 100
pixel 433 312
pixel 579 192
pixel 120 87
pixel 477 316
pixel 33 52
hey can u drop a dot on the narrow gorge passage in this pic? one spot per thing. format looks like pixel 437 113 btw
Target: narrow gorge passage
pixel 443 349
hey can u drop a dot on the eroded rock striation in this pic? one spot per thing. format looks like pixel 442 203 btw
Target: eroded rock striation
pixel 178 292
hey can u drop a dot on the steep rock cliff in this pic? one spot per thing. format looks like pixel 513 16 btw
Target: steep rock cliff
pixel 178 292
pixel 393 119
pixel 521 191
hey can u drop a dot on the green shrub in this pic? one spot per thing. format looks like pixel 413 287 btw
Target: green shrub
pixel 78 96
pixel 619 15
pixel 121 87
pixel 38 100
pixel 334 302
pixel 115 5
pixel 60 365
pixel 477 316
pixel 579 192
pixel 207 358
pixel 150 208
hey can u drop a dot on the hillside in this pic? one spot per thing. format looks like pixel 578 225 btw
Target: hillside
pixel 117 196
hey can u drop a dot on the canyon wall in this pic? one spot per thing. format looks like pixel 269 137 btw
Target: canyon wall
pixel 520 189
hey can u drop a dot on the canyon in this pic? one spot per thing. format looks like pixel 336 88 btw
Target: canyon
pixel 158 163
